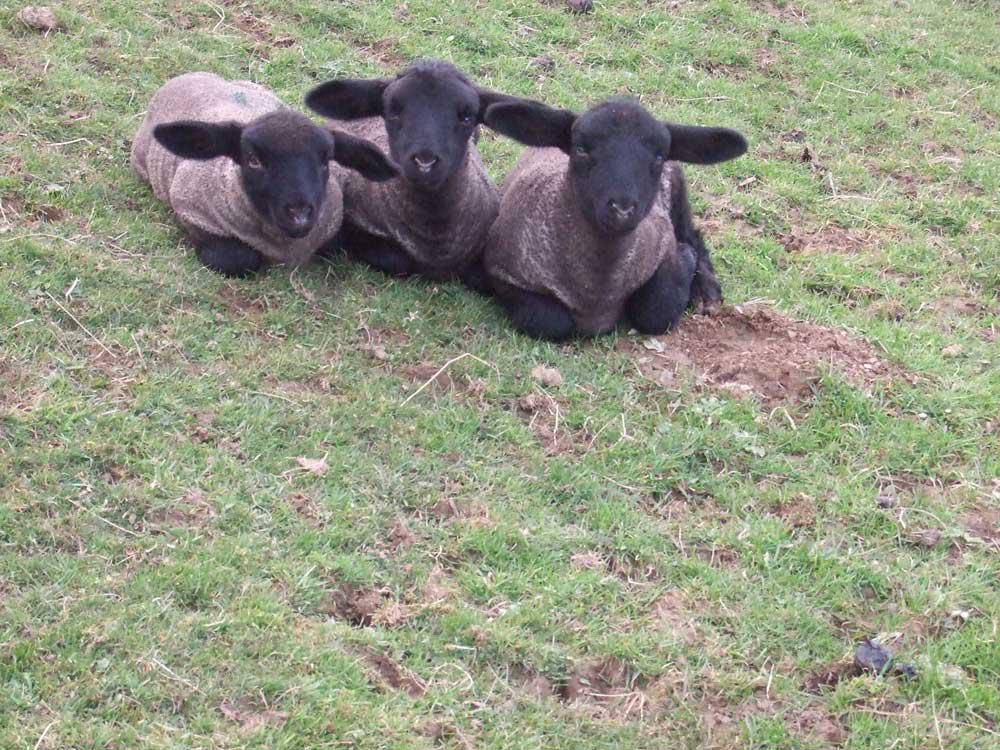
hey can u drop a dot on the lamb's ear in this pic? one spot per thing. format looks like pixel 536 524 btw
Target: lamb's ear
pixel 532 123
pixel 190 139
pixel 348 98
pixel 488 98
pixel 695 145
pixel 363 157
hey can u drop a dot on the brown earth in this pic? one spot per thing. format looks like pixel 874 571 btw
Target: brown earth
pixel 753 350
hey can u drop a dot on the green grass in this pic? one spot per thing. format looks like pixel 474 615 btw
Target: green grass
pixel 170 577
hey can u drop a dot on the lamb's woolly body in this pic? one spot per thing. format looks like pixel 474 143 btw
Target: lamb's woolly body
pixel 208 196
pixel 542 243
pixel 444 232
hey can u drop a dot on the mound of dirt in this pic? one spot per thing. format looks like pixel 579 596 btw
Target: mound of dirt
pixel 753 350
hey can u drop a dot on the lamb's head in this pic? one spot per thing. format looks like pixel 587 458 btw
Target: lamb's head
pixel 284 161
pixel 430 109
pixel 616 151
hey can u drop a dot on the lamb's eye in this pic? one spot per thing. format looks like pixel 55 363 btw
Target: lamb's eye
pixel 253 162
pixel 467 119
pixel 582 151
pixel 660 159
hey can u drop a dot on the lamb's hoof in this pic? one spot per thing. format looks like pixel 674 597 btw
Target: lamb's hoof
pixel 706 306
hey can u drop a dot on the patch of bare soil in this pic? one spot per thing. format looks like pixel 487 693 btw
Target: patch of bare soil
pixel 829 675
pixel 830 239
pixel 609 685
pixel 385 671
pixel 530 684
pixel 307 508
pixel 624 567
pixel 384 53
pixel 674 612
pixel 238 302
pixel 753 350
pixel 400 537
pixel 251 716
pixel 781 10
pixel 21 392
pixel 437 382
pixel 983 524
pixel 799 513
pixel 544 416
pixel 448 511
pixel 356 606
pixel 190 511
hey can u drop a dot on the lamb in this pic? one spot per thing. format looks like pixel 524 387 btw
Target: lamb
pixel 271 198
pixel 434 220
pixel 595 225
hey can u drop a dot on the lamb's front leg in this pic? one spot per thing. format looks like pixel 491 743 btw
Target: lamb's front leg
pixel 227 255
pixel 379 252
pixel 706 292
pixel 658 305
pixel 538 315
pixel 476 278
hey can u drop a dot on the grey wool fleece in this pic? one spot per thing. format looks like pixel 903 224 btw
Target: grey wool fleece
pixel 542 243
pixel 208 195
pixel 444 231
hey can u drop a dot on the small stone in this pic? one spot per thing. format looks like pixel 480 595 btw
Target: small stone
pixel 872 656
pixel 887 497
pixel 549 377
pixel 580 6
pixel 954 350
pixel 39 18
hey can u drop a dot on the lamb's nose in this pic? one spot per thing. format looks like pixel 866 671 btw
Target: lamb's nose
pixel 622 209
pixel 299 213
pixel 424 160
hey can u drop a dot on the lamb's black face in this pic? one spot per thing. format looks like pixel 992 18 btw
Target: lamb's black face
pixel 285 165
pixel 430 115
pixel 284 160
pixel 616 151
pixel 430 112
pixel 616 156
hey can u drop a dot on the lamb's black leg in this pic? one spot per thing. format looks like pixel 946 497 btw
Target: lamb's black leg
pixel 538 315
pixel 706 292
pixel 332 249
pixel 657 305
pixel 381 253
pixel 476 278
pixel 228 256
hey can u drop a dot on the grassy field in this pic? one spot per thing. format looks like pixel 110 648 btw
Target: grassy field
pixel 227 521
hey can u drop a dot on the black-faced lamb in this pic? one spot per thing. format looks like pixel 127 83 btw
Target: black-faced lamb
pixel 433 221
pixel 595 225
pixel 248 178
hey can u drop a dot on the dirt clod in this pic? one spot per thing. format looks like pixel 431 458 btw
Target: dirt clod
pixel 400 535
pixel 39 18
pixel 356 606
pixel 755 350
pixel 315 466
pixel 549 377
pixel 392 674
